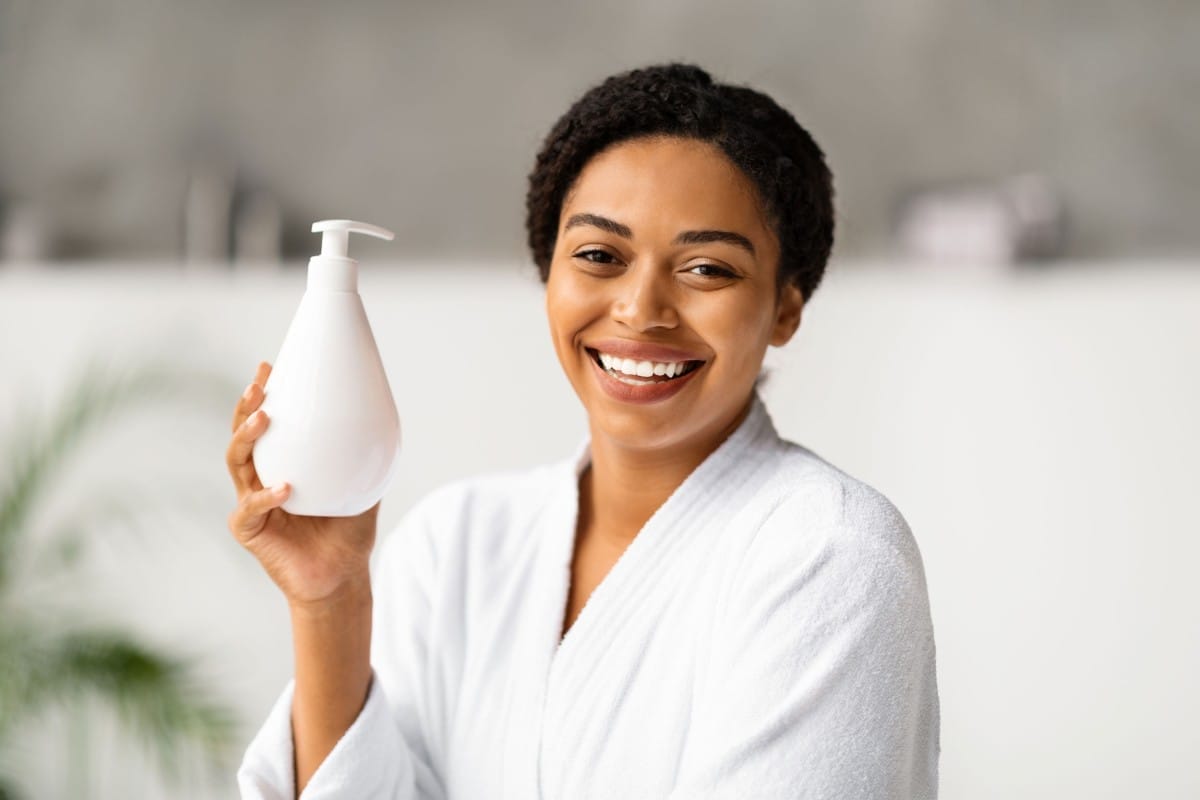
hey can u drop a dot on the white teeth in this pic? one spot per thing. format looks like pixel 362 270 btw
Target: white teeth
pixel 641 369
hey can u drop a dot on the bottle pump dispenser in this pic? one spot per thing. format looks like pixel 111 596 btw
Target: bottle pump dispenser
pixel 333 430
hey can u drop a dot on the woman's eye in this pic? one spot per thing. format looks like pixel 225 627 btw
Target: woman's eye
pixel 712 271
pixel 596 256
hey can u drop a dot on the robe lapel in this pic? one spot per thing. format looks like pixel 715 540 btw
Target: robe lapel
pixel 540 628
pixel 590 670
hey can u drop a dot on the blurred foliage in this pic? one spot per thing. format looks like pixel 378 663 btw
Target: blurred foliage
pixel 46 659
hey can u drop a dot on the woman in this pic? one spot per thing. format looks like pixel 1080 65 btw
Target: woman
pixel 686 606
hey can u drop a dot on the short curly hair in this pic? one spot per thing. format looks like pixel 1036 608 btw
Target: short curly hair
pixel 779 156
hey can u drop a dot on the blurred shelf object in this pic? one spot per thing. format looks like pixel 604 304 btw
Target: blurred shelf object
pixel 24 233
pixel 257 231
pixel 1017 219
pixel 208 206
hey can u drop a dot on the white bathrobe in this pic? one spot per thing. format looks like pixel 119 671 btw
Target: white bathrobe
pixel 766 635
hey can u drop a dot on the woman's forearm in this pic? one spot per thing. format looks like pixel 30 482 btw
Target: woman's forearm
pixel 332 646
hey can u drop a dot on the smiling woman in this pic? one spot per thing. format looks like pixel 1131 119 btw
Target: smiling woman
pixel 686 266
pixel 687 605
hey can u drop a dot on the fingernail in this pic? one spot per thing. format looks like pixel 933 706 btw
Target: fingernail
pixel 279 489
pixel 249 391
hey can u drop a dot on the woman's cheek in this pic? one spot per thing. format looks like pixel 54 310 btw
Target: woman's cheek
pixel 566 309
pixel 580 301
pixel 734 333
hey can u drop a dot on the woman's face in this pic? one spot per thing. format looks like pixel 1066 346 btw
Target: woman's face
pixel 664 267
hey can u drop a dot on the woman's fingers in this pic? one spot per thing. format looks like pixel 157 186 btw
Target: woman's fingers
pixel 254 502
pixel 252 397
pixel 246 521
pixel 241 448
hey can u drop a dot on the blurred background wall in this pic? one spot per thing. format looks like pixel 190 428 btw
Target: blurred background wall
pixel 427 114
pixel 1006 344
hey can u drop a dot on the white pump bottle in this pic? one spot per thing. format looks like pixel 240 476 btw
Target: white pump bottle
pixel 333 430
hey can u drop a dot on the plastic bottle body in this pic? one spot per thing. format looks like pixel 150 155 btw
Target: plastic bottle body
pixel 334 432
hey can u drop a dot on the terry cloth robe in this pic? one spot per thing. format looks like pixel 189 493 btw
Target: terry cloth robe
pixel 767 634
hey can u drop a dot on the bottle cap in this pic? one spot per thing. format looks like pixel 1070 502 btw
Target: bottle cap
pixel 335 242
pixel 336 239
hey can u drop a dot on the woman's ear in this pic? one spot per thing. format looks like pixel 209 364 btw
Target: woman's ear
pixel 788 309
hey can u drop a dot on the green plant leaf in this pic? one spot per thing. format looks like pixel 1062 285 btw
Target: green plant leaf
pixel 38 449
pixel 155 696
pixel 42 661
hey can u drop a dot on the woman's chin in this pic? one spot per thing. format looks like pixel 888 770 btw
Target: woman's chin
pixel 640 426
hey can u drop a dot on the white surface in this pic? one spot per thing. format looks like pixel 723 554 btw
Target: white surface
pixel 1037 430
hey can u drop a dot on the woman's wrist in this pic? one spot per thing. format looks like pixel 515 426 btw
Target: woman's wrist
pixel 348 598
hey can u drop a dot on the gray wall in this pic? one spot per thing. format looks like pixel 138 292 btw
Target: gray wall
pixel 425 116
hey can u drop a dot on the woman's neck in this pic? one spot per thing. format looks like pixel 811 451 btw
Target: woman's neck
pixel 623 486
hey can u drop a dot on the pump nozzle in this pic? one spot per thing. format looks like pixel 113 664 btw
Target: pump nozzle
pixel 336 235
pixel 333 270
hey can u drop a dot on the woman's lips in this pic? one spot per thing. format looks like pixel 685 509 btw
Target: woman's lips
pixel 641 351
pixel 653 391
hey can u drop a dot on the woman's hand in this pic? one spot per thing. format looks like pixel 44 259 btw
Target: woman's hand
pixel 313 560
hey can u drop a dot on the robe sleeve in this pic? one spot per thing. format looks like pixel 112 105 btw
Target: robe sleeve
pixel 821 681
pixel 385 753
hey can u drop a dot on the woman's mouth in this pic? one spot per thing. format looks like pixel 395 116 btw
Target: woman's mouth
pixel 639 373
pixel 632 381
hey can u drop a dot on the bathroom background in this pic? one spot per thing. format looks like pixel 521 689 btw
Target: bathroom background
pixel 1006 342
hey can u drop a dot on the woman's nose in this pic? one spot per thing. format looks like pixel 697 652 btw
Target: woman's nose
pixel 644 300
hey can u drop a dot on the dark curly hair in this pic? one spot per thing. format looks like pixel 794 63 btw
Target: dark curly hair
pixel 764 140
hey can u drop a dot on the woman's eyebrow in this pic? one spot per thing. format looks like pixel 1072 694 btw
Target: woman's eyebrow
pixel 603 223
pixel 686 237
pixel 701 237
